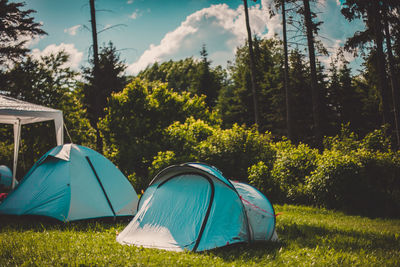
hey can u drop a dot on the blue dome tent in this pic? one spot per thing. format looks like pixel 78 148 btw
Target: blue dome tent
pixel 5 177
pixel 72 182
pixel 193 207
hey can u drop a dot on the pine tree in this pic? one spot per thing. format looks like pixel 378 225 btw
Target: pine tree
pixel 16 27
pixel 101 83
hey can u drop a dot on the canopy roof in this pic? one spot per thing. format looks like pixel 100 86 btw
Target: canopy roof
pixel 18 112
pixel 13 110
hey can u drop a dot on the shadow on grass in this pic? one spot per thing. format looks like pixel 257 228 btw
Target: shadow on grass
pixel 246 251
pixel 42 223
pixel 310 236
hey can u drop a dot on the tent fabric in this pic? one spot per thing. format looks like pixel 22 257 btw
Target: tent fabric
pixel 18 112
pixel 260 212
pixel 5 176
pixel 72 182
pixel 193 207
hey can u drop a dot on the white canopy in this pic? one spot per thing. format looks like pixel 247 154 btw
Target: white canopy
pixel 17 112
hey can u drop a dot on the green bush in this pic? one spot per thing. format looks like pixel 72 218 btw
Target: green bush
pixel 346 140
pixel 161 161
pixel 182 141
pixel 234 150
pixel 337 181
pixel 382 176
pixel 376 141
pixel 362 181
pixel 184 138
pixel 260 177
pixel 292 165
pixel 136 119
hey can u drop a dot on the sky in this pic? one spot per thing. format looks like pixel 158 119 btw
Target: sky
pixel 149 31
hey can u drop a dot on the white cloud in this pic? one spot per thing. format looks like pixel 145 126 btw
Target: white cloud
pixel 221 28
pixel 135 14
pixel 75 55
pixel 335 30
pixel 72 31
pixel 129 2
pixel 30 41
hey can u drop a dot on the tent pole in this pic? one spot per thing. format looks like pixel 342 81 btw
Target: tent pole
pixel 17 137
pixel 101 185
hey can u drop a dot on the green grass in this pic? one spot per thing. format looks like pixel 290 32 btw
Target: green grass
pixel 308 236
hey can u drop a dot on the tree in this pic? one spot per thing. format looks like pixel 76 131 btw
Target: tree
pixel 91 91
pixel 189 75
pixel 281 4
pixel 16 27
pixel 235 100
pixel 207 82
pixel 344 100
pixel 312 28
pixel 392 69
pixel 299 76
pixel 136 120
pixel 288 95
pixel 43 81
pixel 373 14
pixel 180 76
pixel 101 83
pixel 252 64
pixel 46 81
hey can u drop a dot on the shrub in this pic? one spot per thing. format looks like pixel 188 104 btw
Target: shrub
pixel 336 180
pixel 184 138
pixel 345 141
pixel 376 141
pixel 182 141
pixel 382 177
pixel 134 126
pixel 292 165
pixel 234 150
pixel 161 161
pixel 348 141
pixel 362 181
pixel 260 177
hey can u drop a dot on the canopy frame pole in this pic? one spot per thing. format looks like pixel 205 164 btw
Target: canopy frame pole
pixel 17 138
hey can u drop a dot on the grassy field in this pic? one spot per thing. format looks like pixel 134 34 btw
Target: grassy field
pixel 308 236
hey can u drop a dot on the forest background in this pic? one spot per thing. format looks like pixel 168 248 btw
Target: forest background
pixel 276 117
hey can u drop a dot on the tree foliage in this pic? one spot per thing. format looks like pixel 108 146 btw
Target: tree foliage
pixel 16 28
pixel 46 81
pixel 235 101
pixel 191 75
pixel 98 88
pixel 136 120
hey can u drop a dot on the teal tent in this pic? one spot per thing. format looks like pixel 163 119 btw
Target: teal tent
pixel 72 182
pixel 5 177
pixel 193 207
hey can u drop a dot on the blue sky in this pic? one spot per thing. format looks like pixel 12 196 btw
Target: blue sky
pixel 155 30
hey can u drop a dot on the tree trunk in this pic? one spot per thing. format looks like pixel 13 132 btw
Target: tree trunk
pixel 96 108
pixel 393 80
pixel 288 96
pixel 314 85
pixel 252 65
pixel 94 35
pixel 381 63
